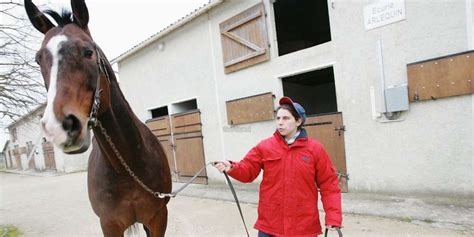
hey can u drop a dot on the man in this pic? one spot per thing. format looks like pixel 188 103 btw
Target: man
pixel 294 168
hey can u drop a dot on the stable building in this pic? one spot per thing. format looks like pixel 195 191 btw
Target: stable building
pixel 387 86
pixel 28 149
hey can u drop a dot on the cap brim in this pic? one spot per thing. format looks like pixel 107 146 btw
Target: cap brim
pixel 286 100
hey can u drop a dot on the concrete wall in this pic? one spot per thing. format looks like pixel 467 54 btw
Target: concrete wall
pixel 428 150
pixel 3 161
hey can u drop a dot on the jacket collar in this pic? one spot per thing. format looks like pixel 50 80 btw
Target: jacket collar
pixel 300 140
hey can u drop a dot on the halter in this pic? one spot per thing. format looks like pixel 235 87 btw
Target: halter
pixel 93 121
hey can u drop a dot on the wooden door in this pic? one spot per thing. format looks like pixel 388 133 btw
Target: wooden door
pixel 160 127
pixel 329 130
pixel 17 155
pixel 48 153
pixel 29 150
pixel 188 144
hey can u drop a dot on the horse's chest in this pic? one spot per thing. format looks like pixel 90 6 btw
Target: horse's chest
pixel 113 195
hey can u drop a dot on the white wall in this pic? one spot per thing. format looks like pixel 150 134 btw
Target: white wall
pixel 429 150
pixel 71 163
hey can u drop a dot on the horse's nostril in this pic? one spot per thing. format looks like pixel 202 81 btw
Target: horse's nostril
pixel 72 126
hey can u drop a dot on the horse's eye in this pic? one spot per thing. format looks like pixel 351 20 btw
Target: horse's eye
pixel 88 53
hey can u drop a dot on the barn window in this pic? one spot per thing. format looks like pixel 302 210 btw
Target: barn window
pixel 159 112
pixel 250 109
pixel 244 39
pixel 301 24
pixel 314 90
pixel 185 106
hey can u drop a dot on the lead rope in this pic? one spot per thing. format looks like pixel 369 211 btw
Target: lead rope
pixel 174 193
pixel 236 201
pixel 94 122
pixel 339 232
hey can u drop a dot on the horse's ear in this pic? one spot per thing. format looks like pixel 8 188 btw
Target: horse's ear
pixel 37 18
pixel 80 12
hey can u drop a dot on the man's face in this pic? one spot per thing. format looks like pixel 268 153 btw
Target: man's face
pixel 286 123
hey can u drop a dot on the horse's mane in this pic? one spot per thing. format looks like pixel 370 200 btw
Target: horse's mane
pixel 63 18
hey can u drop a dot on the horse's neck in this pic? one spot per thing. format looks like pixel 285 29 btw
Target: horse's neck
pixel 122 129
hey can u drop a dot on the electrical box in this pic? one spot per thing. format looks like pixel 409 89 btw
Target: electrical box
pixel 396 98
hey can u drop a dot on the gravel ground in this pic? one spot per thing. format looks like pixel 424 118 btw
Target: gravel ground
pixel 57 205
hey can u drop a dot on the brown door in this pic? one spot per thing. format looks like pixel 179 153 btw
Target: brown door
pixel 329 130
pixel 182 143
pixel 189 148
pixel 17 155
pixel 161 128
pixel 48 153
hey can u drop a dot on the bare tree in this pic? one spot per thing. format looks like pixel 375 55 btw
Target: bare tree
pixel 21 85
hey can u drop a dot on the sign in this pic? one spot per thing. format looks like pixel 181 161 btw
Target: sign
pixel 383 13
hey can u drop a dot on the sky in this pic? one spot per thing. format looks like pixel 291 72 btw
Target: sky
pixel 118 25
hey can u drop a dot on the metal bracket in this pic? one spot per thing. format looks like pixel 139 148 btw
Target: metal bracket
pixel 339 129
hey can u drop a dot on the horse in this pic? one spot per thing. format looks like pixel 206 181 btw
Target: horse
pixel 128 173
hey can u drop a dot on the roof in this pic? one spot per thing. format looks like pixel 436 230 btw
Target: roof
pixel 172 27
pixel 41 106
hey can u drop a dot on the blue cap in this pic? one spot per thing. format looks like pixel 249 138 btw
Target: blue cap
pixel 297 107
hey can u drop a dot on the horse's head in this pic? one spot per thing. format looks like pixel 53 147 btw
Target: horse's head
pixel 69 62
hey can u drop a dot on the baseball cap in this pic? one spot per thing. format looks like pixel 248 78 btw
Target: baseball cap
pixel 297 107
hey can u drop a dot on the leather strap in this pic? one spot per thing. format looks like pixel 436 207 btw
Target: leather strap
pixel 236 201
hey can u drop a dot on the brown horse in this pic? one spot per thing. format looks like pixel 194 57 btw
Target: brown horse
pixel 127 166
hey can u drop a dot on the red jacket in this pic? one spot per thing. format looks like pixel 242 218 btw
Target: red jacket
pixel 292 175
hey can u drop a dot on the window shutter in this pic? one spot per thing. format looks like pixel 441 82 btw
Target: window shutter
pixel 244 39
pixel 250 109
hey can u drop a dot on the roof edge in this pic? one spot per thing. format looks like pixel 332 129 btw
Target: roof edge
pixel 40 106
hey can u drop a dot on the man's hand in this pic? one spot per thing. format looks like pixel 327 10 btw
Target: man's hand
pixel 222 166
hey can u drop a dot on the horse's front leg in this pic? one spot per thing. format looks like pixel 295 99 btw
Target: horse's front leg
pixel 112 228
pixel 158 223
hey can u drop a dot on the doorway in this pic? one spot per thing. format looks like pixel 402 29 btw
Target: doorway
pixel 180 135
pixel 316 92
pixel 301 24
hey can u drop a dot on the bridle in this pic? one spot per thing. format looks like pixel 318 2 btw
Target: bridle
pixel 93 120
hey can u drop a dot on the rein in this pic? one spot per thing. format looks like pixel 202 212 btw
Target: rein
pixel 339 232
